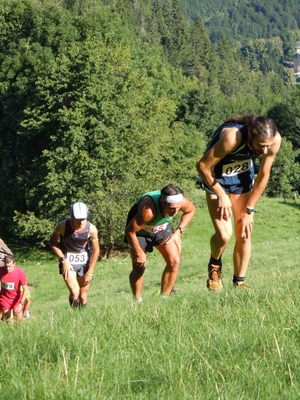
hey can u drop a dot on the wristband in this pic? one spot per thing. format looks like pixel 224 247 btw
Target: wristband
pixel 90 274
pixel 182 230
pixel 250 210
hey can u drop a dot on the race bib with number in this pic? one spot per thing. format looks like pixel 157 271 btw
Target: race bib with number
pixel 77 258
pixel 8 285
pixel 236 168
pixel 155 229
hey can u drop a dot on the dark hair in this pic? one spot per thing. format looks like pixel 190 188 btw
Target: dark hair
pixel 8 258
pixel 258 127
pixel 170 190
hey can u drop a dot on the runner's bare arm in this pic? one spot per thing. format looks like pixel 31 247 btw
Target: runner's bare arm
pixel 263 175
pixel 145 214
pixel 230 138
pixel 95 247
pixel 59 230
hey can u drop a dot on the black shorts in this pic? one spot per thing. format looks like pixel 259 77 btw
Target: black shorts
pixel 147 242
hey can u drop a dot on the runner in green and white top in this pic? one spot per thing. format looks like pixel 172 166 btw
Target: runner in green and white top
pixel 148 226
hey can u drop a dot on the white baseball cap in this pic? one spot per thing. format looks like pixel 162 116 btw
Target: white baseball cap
pixel 79 211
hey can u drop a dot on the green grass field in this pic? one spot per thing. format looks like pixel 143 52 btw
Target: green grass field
pixel 194 345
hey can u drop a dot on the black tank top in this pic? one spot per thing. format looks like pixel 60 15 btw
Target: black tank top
pixel 75 241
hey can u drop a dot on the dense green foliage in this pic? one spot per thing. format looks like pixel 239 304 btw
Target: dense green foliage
pixel 88 114
pixel 243 20
pixel 103 100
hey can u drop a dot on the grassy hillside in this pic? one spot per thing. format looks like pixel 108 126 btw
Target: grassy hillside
pixel 195 345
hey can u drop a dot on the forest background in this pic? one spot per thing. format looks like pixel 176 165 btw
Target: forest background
pixel 102 100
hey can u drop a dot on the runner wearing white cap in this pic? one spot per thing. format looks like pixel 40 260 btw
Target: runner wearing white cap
pixel 75 242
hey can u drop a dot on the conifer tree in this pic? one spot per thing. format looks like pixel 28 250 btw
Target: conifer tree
pixel 177 44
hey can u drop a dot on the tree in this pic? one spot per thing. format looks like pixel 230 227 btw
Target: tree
pixel 176 42
pixel 94 123
pixel 203 56
pixel 284 179
pixel 287 116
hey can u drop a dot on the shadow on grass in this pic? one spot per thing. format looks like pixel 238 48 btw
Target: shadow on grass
pixel 293 204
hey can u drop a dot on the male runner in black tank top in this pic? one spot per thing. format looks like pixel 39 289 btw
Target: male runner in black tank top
pixel 227 173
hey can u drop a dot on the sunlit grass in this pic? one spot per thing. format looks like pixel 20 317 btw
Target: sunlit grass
pixel 195 345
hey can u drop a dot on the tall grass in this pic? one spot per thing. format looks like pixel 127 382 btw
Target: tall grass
pixel 194 345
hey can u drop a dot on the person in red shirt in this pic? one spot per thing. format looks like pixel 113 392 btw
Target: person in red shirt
pixel 12 300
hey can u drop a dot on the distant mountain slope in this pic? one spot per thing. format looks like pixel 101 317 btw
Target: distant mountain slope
pixel 243 20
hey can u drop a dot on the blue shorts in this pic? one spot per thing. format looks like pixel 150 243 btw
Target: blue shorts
pixel 79 269
pixel 234 189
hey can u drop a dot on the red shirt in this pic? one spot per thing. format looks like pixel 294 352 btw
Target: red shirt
pixel 11 282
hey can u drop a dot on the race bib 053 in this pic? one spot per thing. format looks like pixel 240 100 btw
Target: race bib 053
pixel 77 258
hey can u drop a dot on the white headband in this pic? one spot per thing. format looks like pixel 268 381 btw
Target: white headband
pixel 175 198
